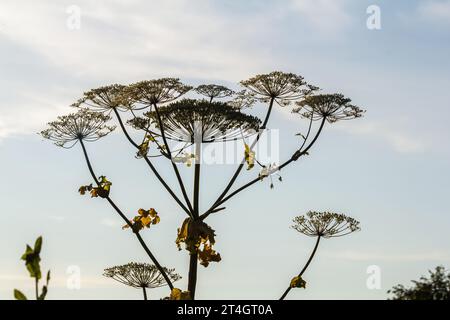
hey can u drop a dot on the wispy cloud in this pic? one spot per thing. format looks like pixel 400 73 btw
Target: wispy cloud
pixel 439 256
pixel 400 140
pixel 326 16
pixel 110 222
pixel 435 10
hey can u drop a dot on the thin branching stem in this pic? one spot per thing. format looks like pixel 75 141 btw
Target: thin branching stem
pixel 152 167
pixel 304 268
pixel 177 173
pixel 294 157
pixel 141 241
pixel 241 165
pixel 145 293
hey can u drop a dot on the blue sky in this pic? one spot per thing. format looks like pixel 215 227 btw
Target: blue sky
pixel 390 170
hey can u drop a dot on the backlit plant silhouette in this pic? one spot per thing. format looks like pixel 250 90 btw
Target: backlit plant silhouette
pixel 140 276
pixel 170 125
pixel 320 225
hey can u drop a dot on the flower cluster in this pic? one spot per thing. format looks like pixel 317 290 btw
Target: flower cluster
pixel 214 91
pixel 140 275
pixel 105 99
pixel 325 224
pixel 191 120
pixel 83 125
pixel 158 91
pixel 332 107
pixel 280 86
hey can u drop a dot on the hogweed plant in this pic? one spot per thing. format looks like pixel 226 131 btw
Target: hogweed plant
pixel 176 129
pixel 320 225
pixel 140 276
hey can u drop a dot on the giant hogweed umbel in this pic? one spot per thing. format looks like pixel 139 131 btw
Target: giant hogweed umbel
pixel 170 124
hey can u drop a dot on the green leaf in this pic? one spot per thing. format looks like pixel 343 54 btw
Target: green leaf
pixel 28 251
pixel 43 293
pixel 48 276
pixel 19 295
pixel 38 245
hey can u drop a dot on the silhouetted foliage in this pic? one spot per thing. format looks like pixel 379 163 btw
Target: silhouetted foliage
pixel 162 118
pixel 320 225
pixel 434 287
pixel 32 260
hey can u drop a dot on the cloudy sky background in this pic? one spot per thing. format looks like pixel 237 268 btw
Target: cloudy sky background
pixel 390 169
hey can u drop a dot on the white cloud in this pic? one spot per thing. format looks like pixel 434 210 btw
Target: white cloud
pixel 394 257
pixel 397 138
pixel 435 10
pixel 111 222
pixel 118 42
pixel 326 16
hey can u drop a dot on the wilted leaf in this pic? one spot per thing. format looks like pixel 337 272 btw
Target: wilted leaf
pixel 144 219
pixel 298 282
pixel 177 294
pixel 249 157
pixel 198 238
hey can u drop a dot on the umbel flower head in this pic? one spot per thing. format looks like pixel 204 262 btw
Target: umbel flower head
pixel 140 275
pixel 214 91
pixel 105 99
pixel 156 91
pixel 84 125
pixel 325 224
pixel 191 120
pixel 332 107
pixel 280 86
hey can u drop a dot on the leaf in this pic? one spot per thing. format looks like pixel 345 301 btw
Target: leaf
pixel 38 245
pixel 32 259
pixel 144 219
pixel 249 157
pixel 43 293
pixel 298 282
pixel 185 158
pixel 48 277
pixel 177 294
pixel 18 295
pixel 199 238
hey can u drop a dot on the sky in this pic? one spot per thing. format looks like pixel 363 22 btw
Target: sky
pixel 390 169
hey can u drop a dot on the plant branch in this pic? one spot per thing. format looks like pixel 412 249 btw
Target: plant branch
pixel 145 293
pixel 152 167
pixel 304 268
pixel 141 241
pixel 36 287
pixel 241 165
pixel 294 157
pixel 177 173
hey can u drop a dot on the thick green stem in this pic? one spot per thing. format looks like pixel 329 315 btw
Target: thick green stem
pixel 304 268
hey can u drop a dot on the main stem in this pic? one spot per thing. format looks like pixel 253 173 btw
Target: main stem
pixel 36 286
pixel 145 293
pixel 193 258
pixel 304 268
